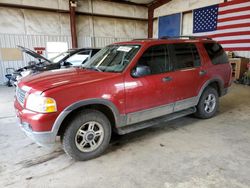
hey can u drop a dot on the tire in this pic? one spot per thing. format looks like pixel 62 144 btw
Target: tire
pixel 208 103
pixel 87 128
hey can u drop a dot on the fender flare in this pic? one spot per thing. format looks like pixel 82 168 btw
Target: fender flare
pixel 58 122
pixel 204 86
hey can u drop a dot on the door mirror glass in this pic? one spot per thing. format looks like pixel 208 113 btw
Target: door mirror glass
pixel 140 70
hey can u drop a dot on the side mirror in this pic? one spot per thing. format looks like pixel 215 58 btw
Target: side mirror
pixel 140 70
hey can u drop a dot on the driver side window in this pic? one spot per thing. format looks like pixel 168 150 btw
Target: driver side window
pixel 156 59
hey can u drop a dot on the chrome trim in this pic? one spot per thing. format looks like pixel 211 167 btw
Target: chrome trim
pixel 20 95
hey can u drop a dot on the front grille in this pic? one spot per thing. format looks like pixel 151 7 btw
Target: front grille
pixel 20 95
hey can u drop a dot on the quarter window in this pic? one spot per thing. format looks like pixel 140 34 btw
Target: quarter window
pixel 186 56
pixel 216 53
pixel 156 58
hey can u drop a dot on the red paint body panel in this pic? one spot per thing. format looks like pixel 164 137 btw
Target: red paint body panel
pixel 128 94
pixel 39 122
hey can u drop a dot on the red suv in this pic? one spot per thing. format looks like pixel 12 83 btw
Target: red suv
pixel 125 87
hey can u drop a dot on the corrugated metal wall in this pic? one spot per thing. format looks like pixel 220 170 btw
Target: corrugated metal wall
pixel 31 41
pixel 98 42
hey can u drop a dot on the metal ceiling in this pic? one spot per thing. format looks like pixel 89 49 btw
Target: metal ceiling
pixel 136 2
pixel 140 1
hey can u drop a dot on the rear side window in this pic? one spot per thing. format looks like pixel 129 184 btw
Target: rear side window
pixel 186 56
pixel 216 53
pixel 156 58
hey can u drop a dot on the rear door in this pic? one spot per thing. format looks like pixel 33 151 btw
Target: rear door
pixel 188 74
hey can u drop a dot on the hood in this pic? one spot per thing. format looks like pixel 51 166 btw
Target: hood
pixel 59 77
pixel 32 53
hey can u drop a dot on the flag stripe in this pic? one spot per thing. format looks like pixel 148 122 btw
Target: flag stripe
pixel 234 10
pixel 230 27
pixel 242 13
pixel 230 34
pixel 234 26
pixel 237 49
pixel 240 37
pixel 235 41
pixel 225 31
pixel 234 18
pixel 233 3
pixel 245 45
pixel 234 6
pixel 233 22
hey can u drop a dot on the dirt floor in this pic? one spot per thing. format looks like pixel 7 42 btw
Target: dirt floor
pixel 187 152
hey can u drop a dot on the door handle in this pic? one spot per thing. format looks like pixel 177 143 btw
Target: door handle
pixel 167 79
pixel 202 72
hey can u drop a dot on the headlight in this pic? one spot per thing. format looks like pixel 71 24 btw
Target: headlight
pixel 41 104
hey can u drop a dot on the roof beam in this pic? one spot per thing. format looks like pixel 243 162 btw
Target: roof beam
pixel 127 3
pixel 157 3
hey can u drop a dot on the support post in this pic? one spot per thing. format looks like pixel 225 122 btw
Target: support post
pixel 151 7
pixel 72 14
pixel 150 21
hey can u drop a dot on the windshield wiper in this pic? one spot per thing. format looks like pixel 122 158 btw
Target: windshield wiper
pixel 94 68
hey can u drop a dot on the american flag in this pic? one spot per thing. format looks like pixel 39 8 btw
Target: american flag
pixel 228 23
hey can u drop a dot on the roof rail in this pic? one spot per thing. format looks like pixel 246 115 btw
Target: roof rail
pixel 186 36
pixel 143 39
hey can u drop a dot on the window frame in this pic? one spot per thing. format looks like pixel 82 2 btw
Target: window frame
pixel 221 48
pixel 174 59
pixel 167 51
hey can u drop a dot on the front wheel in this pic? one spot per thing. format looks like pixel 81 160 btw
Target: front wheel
pixel 87 136
pixel 208 104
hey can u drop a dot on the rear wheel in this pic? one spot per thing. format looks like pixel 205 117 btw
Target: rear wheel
pixel 87 136
pixel 208 104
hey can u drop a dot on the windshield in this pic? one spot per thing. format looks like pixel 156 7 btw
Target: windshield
pixel 59 57
pixel 113 58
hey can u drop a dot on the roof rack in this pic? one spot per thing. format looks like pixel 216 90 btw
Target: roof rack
pixel 184 36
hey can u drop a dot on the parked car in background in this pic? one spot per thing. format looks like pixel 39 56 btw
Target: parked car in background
pixel 72 57
pixel 125 87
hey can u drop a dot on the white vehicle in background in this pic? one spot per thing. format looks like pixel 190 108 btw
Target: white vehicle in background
pixel 72 57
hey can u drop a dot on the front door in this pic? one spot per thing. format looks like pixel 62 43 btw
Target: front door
pixel 150 95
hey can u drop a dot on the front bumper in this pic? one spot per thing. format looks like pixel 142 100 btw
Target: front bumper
pixel 39 127
pixel 47 139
